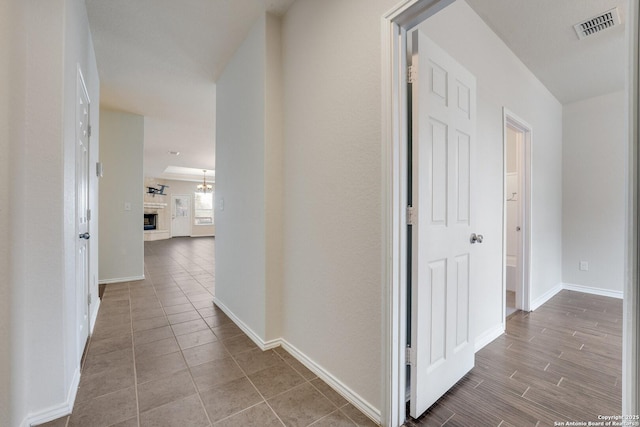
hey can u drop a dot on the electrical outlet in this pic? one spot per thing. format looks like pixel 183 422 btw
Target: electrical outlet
pixel 584 266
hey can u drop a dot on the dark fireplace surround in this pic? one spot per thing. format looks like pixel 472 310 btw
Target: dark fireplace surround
pixel 150 221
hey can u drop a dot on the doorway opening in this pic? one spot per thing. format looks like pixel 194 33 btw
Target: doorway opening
pixel 517 211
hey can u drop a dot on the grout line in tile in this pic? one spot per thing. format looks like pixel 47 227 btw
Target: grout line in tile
pixel 447 420
pixel 133 351
pixel 246 409
pixel 193 382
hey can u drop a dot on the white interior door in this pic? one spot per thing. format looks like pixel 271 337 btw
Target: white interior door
pixel 180 215
pixel 82 213
pixel 443 139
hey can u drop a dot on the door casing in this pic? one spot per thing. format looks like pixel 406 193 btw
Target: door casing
pixel 509 119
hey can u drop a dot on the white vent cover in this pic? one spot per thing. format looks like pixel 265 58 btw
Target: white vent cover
pixel 606 20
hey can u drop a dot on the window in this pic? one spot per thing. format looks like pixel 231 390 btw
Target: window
pixel 203 209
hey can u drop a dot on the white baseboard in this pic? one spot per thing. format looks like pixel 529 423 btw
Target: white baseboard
pixel 593 291
pixel 488 336
pixel 535 304
pixel 264 345
pixel 353 397
pixel 57 411
pixel 573 287
pixel 121 280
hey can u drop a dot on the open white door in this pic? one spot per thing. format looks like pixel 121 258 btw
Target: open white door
pixel 82 213
pixel 443 140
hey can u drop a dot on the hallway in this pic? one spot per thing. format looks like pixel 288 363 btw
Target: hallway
pixel 163 355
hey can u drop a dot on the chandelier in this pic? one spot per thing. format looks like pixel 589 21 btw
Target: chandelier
pixel 204 187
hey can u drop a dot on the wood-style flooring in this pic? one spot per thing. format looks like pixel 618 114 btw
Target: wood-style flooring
pixel 561 363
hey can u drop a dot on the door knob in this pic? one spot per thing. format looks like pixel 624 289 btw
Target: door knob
pixel 84 236
pixel 476 238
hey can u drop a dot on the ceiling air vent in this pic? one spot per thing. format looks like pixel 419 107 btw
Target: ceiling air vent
pixel 606 20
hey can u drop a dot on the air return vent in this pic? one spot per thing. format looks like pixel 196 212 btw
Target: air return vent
pixel 606 20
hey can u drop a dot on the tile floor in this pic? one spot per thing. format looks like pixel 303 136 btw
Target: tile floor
pixel 162 354
pixel 559 364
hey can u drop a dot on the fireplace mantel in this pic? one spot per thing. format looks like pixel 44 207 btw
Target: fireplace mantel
pixel 152 205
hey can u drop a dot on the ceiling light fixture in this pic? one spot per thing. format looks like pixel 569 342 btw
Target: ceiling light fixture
pixel 204 187
pixel 174 153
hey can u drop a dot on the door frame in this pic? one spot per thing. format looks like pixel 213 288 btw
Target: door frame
pixel 509 119
pixel 394 26
pixel 631 302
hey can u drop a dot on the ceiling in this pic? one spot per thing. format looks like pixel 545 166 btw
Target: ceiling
pixel 161 59
pixel 541 34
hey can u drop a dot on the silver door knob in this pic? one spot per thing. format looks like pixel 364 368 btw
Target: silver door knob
pixel 476 238
pixel 84 236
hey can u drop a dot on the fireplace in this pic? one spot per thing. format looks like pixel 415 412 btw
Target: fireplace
pixel 154 221
pixel 150 221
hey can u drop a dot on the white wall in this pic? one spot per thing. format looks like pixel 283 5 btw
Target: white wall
pixel 594 191
pixel 274 176
pixel 121 231
pixel 44 357
pixel 39 286
pixel 240 175
pixel 332 189
pixel 6 58
pixel 504 81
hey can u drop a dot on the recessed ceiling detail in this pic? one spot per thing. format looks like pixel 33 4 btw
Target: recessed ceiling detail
pixel 180 173
pixel 604 21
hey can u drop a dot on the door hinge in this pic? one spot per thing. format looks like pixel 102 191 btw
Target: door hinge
pixel 89 299
pixel 412 74
pixel 89 131
pixel 408 355
pixel 411 215
pixel 88 214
